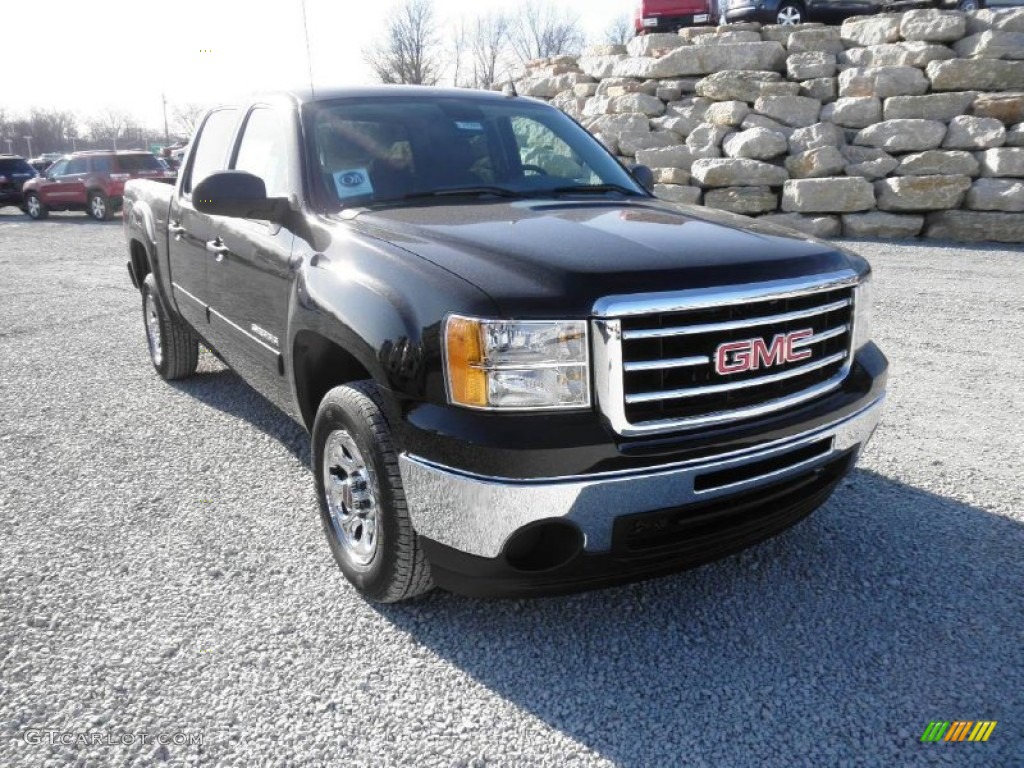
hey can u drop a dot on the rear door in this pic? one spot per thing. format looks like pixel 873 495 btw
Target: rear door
pixel 250 271
pixel 188 231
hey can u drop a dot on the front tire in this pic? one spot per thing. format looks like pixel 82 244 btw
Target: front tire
pixel 173 348
pixel 362 502
pixel 98 206
pixel 34 207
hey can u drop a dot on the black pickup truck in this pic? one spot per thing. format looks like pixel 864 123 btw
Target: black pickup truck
pixel 521 372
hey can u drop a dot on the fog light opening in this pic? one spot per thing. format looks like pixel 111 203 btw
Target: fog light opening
pixel 543 546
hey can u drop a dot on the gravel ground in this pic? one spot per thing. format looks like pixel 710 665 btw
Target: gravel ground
pixel 162 569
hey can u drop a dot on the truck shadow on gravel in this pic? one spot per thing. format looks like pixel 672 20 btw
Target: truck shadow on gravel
pixel 839 640
pixel 221 388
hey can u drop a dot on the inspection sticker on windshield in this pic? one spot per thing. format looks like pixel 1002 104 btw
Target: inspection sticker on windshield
pixel 353 182
pixel 464 126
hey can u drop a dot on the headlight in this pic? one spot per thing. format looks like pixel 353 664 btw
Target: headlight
pixel 517 364
pixel 862 302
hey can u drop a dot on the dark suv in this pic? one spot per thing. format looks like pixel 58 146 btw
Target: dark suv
pixel 90 181
pixel 801 11
pixel 14 172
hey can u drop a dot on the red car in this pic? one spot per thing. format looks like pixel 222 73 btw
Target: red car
pixel 90 181
pixel 671 15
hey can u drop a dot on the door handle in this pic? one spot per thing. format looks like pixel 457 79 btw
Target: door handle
pixel 176 229
pixel 217 247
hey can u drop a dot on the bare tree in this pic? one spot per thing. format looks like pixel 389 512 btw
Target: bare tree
pixel 489 48
pixel 540 30
pixel 410 49
pixel 186 117
pixel 111 124
pixel 620 31
pixel 459 42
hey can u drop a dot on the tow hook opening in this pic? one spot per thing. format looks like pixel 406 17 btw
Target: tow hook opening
pixel 543 546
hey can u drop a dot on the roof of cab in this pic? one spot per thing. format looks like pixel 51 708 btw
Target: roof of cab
pixel 306 95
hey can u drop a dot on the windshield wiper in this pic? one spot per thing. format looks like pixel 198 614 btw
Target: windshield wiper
pixel 478 191
pixel 594 189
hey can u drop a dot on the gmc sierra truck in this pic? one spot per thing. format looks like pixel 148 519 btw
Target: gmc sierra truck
pixel 521 372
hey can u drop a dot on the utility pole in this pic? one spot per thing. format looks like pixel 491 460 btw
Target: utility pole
pixel 167 134
pixel 29 140
pixel 10 151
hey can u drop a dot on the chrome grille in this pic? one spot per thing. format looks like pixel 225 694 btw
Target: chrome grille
pixel 655 354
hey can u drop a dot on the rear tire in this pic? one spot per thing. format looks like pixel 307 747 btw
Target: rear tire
pixel 173 348
pixel 34 207
pixel 790 13
pixel 98 207
pixel 362 502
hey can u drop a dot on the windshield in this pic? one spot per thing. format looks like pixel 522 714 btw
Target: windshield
pixel 130 163
pixel 385 150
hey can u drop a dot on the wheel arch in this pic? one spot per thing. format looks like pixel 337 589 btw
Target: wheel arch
pixel 319 364
pixel 139 260
pixel 803 5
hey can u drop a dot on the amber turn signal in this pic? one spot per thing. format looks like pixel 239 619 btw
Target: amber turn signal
pixel 466 378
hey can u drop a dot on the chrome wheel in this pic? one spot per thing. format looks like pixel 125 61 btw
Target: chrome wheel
pixel 33 206
pixel 350 498
pixel 98 207
pixel 153 330
pixel 789 15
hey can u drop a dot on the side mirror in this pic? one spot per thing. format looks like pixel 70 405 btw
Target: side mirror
pixel 238 194
pixel 643 175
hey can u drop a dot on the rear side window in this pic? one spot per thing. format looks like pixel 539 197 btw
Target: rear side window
pixel 76 165
pixel 12 165
pixel 264 151
pixel 140 162
pixel 101 165
pixel 211 152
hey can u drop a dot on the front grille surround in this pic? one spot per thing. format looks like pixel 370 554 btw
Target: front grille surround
pixel 653 365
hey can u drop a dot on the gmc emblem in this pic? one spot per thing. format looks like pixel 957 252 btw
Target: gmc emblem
pixel 751 354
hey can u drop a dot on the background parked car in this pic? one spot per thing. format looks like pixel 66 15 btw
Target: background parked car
pixel 671 15
pixel 14 172
pixel 90 181
pixel 975 5
pixel 800 11
pixel 44 160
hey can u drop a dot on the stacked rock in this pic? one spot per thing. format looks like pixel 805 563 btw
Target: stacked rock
pixel 894 125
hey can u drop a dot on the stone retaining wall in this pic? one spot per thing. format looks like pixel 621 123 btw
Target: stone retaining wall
pixel 895 125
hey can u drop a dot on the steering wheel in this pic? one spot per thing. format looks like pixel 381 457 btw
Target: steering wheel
pixel 535 168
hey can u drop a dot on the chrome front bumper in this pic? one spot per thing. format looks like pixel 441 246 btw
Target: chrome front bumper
pixel 477 515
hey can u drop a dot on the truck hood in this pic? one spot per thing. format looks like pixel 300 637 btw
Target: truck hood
pixel 557 257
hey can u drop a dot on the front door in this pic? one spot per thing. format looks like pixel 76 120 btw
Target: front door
pixel 250 272
pixel 72 183
pixel 51 186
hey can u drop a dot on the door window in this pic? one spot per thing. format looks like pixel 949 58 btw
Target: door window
pixel 101 165
pixel 211 153
pixel 263 151
pixel 76 165
pixel 57 169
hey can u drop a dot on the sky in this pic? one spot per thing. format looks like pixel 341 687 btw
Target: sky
pixel 203 51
